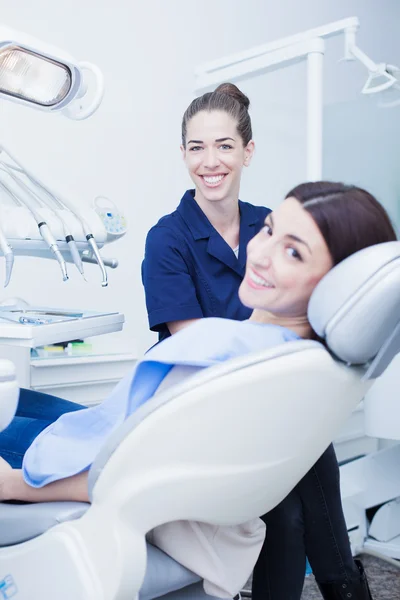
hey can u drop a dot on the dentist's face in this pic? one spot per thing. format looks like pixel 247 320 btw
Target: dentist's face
pixel 285 261
pixel 215 155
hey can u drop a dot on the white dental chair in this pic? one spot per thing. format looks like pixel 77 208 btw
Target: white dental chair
pixel 224 446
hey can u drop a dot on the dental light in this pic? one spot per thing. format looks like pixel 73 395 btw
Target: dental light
pixel 381 76
pixel 310 46
pixel 38 75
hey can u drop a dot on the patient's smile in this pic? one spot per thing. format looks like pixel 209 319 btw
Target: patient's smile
pixel 256 281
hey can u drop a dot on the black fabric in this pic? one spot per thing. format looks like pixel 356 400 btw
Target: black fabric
pixel 309 522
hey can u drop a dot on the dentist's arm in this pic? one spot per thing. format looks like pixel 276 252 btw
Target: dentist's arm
pixel 175 326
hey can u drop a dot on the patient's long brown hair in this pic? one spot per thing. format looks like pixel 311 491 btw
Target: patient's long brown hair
pixel 348 217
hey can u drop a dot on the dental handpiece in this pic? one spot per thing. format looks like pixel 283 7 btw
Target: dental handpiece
pixel 44 229
pixel 4 245
pixel 69 238
pixel 49 238
pixel 66 204
pixel 76 257
pixel 8 255
pixel 96 252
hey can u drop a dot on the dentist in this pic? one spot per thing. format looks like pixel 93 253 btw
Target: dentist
pixel 195 257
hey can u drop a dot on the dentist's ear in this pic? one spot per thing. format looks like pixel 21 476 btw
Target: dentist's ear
pixel 248 153
pixel 183 151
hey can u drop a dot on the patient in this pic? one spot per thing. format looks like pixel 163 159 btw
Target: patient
pixel 300 242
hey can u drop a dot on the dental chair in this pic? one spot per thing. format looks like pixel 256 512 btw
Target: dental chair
pixel 223 446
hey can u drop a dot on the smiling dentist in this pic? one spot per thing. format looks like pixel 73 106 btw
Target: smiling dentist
pixel 195 257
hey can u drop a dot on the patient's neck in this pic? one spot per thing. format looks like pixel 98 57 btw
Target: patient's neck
pixel 299 325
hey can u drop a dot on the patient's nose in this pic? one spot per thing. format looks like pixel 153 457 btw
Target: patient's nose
pixel 261 259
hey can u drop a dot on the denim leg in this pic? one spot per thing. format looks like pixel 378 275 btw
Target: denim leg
pixel 280 569
pixel 43 406
pixel 18 436
pixel 326 538
pixel 35 412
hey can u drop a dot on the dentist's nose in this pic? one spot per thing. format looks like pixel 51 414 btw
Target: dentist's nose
pixel 211 159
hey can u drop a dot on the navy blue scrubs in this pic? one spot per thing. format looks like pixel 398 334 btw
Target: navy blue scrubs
pixel 189 271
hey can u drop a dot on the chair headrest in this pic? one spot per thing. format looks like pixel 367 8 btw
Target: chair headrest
pixel 356 307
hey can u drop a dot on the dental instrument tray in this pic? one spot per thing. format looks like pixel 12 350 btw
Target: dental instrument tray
pixel 36 326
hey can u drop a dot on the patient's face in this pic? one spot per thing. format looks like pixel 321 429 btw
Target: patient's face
pixel 285 261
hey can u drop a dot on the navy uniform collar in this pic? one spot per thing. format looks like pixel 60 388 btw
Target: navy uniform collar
pixel 201 228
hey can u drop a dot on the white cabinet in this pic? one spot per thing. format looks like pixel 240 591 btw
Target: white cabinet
pixel 352 440
pixel 85 379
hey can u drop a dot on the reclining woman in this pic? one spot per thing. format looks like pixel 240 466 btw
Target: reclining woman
pixel 316 226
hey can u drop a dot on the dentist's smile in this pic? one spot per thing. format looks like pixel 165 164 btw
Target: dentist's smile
pixel 213 180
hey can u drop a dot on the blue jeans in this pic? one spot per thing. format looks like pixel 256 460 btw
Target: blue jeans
pixel 35 412
pixel 308 522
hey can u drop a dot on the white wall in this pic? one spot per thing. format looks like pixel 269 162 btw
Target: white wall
pixel 362 146
pixel 129 150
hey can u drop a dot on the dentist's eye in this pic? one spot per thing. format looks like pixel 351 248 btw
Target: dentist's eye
pixel 294 253
pixel 226 147
pixel 195 148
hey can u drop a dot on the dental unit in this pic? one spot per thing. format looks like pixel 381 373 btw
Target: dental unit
pixel 74 226
pixel 38 75
pixel 36 220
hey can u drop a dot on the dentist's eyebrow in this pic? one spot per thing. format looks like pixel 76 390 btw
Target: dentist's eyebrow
pixel 219 140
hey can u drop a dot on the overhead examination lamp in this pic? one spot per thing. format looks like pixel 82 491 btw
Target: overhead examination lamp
pixel 381 76
pixel 44 77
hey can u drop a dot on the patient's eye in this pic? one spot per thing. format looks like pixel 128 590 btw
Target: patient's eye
pixel 294 253
pixel 267 229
